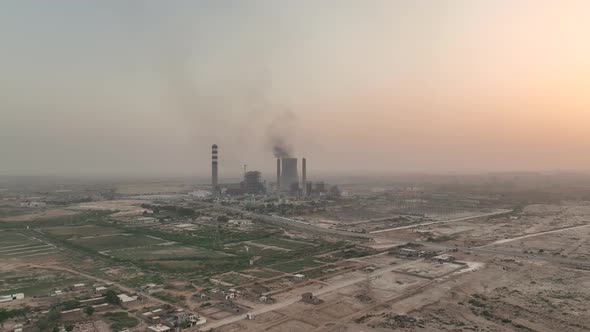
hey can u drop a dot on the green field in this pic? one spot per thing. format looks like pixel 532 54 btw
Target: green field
pixel 320 271
pixel 205 267
pixel 295 265
pixel 81 231
pixel 11 210
pixel 114 242
pixel 284 243
pixel 9 238
pixel 163 252
pixel 234 278
pixel 121 320
pixel 19 245
pixel 80 218
pixel 36 282
pixel 263 274
pixel 252 250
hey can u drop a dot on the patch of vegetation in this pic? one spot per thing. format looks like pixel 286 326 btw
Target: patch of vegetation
pixel 87 217
pixel 284 243
pixel 70 304
pixel 11 211
pixel 121 320
pixel 363 318
pixel 89 310
pixel 355 253
pixel 206 237
pixel 442 238
pixel 11 313
pixel 295 265
pixel 50 321
pixel 477 303
pixel 302 253
pixel 116 242
pixel 112 298
pixel 144 279
pixel 319 272
pixel 261 273
pixel 165 296
pixel 87 230
pixel 204 266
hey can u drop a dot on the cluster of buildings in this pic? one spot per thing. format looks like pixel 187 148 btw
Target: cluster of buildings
pixel 411 250
pixel 287 182
pixel 164 320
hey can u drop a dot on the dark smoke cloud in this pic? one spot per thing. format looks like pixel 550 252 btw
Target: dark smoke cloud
pixel 281 149
pixel 280 134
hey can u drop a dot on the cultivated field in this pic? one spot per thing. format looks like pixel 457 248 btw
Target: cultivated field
pixel 17 245
pixel 164 251
pixel 107 243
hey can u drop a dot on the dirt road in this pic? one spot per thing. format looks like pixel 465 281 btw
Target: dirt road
pixel 441 221
pixel 533 234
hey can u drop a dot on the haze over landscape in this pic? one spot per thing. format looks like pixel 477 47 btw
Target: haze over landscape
pixel 145 87
pixel 294 166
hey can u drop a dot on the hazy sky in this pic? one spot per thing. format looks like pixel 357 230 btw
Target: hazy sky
pixel 145 87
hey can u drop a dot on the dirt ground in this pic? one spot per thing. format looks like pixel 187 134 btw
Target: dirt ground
pixel 43 214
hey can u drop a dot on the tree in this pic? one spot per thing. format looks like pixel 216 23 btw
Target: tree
pixel 112 298
pixel 53 315
pixel 70 304
pixel 4 315
pixel 89 310
pixel 42 324
pixel 70 328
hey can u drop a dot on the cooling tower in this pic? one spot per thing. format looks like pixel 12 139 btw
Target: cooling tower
pixel 289 174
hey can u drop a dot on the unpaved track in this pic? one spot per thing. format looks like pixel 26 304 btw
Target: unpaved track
pixel 442 221
pixel 533 235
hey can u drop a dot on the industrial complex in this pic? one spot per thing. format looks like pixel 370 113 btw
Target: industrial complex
pixel 288 182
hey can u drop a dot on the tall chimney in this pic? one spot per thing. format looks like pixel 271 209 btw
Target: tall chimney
pixel 304 175
pixel 214 179
pixel 278 174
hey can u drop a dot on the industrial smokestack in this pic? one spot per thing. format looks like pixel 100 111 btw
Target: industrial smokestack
pixel 278 174
pixel 214 180
pixel 303 175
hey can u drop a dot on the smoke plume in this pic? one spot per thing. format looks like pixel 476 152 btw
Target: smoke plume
pixel 281 149
pixel 280 134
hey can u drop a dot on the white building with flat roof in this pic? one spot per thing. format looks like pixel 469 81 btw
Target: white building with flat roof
pixel 159 328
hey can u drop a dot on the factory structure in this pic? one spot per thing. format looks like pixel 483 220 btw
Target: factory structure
pixel 289 178
pixel 288 182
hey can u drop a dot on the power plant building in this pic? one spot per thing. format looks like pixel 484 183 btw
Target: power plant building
pixel 289 174
pixel 252 183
